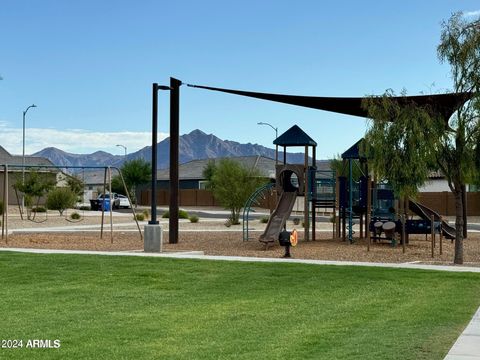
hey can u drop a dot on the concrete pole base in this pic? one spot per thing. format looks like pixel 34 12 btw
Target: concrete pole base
pixel 152 239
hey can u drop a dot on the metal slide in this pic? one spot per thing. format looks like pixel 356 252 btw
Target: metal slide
pixel 279 217
pixel 426 214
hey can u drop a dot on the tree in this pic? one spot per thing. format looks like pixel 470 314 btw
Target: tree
pixel 136 172
pixel 117 185
pixel 341 169
pixel 232 184
pixel 34 187
pixel 77 186
pixel 406 149
pixel 60 199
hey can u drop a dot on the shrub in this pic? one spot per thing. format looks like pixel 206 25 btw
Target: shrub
pixel 84 207
pixel 139 217
pixel 1 207
pixel 61 199
pixel 75 216
pixel 182 214
pixel 39 209
pixel 264 219
pixel 146 213
pixel 296 221
pixel 194 219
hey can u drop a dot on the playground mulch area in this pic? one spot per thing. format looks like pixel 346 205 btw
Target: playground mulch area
pixel 231 243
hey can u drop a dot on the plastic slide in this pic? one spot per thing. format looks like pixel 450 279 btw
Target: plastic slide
pixel 279 217
pixel 426 214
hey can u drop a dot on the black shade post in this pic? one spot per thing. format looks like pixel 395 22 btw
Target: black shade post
pixel 153 200
pixel 174 159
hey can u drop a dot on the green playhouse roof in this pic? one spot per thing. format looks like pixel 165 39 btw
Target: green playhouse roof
pixel 294 137
pixel 353 152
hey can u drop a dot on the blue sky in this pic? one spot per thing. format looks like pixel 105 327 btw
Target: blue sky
pixel 89 66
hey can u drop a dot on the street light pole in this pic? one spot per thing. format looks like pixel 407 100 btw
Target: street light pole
pixel 124 148
pixel 153 231
pixel 23 153
pixel 276 136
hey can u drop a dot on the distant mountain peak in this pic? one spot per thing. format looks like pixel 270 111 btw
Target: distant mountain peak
pixel 193 146
pixel 196 132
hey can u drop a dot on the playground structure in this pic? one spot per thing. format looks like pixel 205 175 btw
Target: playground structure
pixel 354 197
pixel 45 168
pixel 294 180
pixel 375 206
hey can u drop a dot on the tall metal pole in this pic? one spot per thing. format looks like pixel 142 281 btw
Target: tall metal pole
pixel 124 148
pixel 350 201
pixel 153 199
pixel 174 159
pixel 23 153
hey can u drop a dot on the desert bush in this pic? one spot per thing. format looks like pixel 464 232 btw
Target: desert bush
pixel 182 214
pixel 264 219
pixel 75 216
pixel 194 219
pixel 61 199
pixel 139 217
pixel 39 209
pixel 296 221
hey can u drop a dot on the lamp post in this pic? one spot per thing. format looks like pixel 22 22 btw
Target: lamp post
pixel 124 148
pixel 276 136
pixel 23 152
pixel 153 237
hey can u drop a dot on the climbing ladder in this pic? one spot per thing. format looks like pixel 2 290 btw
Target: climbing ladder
pixel 253 200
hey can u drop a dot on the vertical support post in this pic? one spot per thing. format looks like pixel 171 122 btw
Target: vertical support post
pixel 350 201
pixel 153 199
pixel 103 205
pixel 112 202
pixel 284 155
pixel 174 158
pixel 361 226
pixel 306 215
pixel 338 218
pixel 441 236
pixel 369 209
pixel 433 234
pixel 276 154
pixel 5 205
pixel 314 194
pixel 464 210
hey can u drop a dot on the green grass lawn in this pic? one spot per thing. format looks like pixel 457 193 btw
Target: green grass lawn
pixel 104 307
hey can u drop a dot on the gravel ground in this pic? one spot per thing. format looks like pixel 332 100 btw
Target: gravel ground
pixel 212 237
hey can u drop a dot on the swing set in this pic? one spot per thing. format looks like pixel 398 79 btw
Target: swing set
pixel 107 181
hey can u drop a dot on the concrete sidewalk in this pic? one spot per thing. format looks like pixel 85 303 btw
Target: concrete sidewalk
pixel 467 346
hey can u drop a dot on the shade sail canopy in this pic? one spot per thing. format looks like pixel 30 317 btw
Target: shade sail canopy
pixel 442 104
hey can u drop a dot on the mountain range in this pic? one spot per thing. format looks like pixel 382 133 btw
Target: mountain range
pixel 193 146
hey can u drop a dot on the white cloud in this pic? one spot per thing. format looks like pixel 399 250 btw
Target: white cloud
pixel 73 140
pixel 469 14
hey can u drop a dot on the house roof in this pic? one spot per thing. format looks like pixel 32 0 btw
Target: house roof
pixel 193 170
pixel 294 137
pixel 9 159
